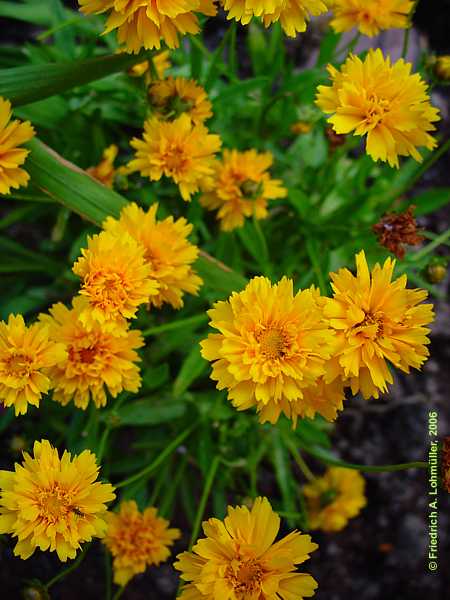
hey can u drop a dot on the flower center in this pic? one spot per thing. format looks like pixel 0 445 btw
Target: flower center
pixel 106 290
pixel 376 110
pixel 174 159
pixel 83 355
pixel 272 343
pixel 18 365
pixel 370 320
pixel 245 577
pixel 54 503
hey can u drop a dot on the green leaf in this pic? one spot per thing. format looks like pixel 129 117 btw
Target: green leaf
pixel 70 185
pixel 146 412
pixel 218 276
pixel 429 201
pixel 241 89
pixel 193 366
pixel 23 85
pixel 280 458
pixel 39 14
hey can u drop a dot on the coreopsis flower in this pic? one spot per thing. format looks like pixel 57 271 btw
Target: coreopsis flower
pixel 25 354
pixel 144 23
pixel 105 171
pixel 242 188
pixel 272 345
pixel 174 96
pixel 137 540
pixel 53 503
pixel 395 230
pixel 98 360
pixel 12 135
pixel 161 62
pixel 377 321
pixel 370 16
pixel 180 150
pixel 442 67
pixel 384 101
pixel 239 559
pixel 335 498
pixel 167 250
pixel 115 279
pixel 292 14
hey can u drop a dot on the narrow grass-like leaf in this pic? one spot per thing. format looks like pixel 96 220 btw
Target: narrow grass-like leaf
pixel 146 412
pixel 23 85
pixel 70 185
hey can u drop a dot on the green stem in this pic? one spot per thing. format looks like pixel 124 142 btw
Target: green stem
pixel 438 240
pixel 119 593
pixel 429 162
pixel 108 587
pixel 203 500
pixel 189 321
pixel 350 46
pixel 408 29
pixel 300 462
pixel 331 460
pixel 161 458
pixel 233 48
pixel 76 563
pixel 102 444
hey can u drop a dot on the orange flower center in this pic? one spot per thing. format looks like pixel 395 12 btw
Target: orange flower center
pixel 83 355
pixel 55 503
pixel 18 365
pixel 376 109
pixel 106 290
pixel 245 577
pixel 369 321
pixel 174 158
pixel 272 343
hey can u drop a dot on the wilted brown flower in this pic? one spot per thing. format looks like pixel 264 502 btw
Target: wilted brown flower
pixel 394 230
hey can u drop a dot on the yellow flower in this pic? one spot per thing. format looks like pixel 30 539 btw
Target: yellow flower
pixel 12 156
pixel 242 188
pixel 144 23
pixel 376 320
pixel 161 62
pixel 53 504
pixel 292 14
pixel 384 101
pixel 371 16
pixel 97 361
pixel 173 97
pixel 179 150
pixel 272 345
pixel 105 171
pixel 442 67
pixel 115 279
pixel 137 540
pixel 25 353
pixel 167 250
pixel 335 498
pixel 238 559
